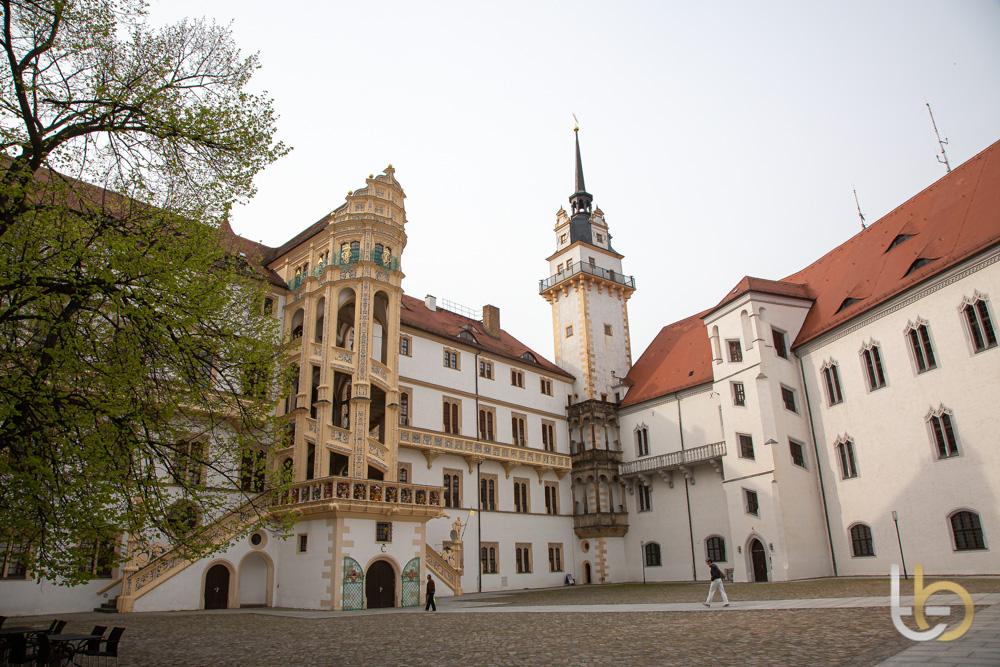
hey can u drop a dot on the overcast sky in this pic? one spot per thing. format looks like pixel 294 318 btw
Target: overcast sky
pixel 720 139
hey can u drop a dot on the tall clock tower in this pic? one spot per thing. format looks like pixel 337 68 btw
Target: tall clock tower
pixel 589 293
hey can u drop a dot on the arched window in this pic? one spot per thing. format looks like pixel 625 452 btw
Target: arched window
pixel 715 549
pixel 529 357
pixel 320 316
pixel 977 317
pixel 861 541
pixel 967 531
pixel 297 319
pixel 652 551
pixel 641 440
pixel 942 429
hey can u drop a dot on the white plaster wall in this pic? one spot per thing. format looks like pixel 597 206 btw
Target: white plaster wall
pixel 299 581
pixel 898 467
pixel 184 590
pixel 610 357
pixel 26 597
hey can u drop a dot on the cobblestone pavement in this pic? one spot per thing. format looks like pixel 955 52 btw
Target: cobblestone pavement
pixel 979 646
pixel 863 635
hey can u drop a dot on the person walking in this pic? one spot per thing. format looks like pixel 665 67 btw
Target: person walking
pixel 430 595
pixel 716 584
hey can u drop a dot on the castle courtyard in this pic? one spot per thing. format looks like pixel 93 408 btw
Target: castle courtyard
pixel 825 621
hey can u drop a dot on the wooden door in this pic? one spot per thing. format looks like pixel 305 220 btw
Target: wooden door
pixel 759 559
pixel 217 587
pixel 380 585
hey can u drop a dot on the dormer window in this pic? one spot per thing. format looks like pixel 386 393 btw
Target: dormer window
pixel 562 239
pixel 847 303
pixel 900 238
pixel 467 336
pixel 917 263
pixel 529 357
pixel 599 237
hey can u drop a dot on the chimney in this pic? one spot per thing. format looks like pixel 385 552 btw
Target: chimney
pixel 431 302
pixel 491 320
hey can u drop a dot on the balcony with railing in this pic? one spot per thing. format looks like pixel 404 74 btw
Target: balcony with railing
pixel 586 268
pixel 433 443
pixel 601 524
pixel 674 460
pixel 381 259
pixel 583 458
pixel 345 494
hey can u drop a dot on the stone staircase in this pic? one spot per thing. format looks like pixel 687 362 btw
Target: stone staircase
pixel 446 567
pixel 148 569
pixel 108 606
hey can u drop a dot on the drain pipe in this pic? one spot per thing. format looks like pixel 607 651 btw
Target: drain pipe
pixel 819 468
pixel 479 494
pixel 687 492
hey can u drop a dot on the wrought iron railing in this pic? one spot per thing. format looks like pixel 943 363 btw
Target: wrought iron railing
pixel 389 262
pixel 676 459
pixel 584 267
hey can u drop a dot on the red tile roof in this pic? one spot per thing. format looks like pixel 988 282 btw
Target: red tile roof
pixel 679 357
pixel 447 324
pixel 950 221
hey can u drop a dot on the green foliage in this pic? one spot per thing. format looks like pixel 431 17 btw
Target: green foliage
pixel 129 327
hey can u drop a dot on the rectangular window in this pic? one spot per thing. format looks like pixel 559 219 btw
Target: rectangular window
pixel 310 460
pixel 562 238
pixel 545 386
pixel 645 498
pixel 780 346
pixel 788 398
pixel 555 557
pixel 848 464
pixel 977 315
pixel 189 461
pixel 522 556
pixel 642 441
pixel 920 345
pixel 559 269
pixel 750 498
pixel 314 393
pixel 486 369
pixel 873 368
pixel 831 378
pixel 548 436
pixel 303 543
pixel 13 560
pixel 452 488
pixel 451 416
pixel 608 330
pixel 944 435
pixel 739 394
pixel 488 492
pixel 592 261
pixel 451 358
pixel 735 351
pixel 599 237
pixel 405 345
pixel 405 472
pixel 383 531
pixel 798 452
pixel 518 428
pixel 569 331
pixel 404 408
pixel 488 557
pixel 516 378
pixel 746 445
pixel 551 498
pixel 521 496
pixel 487 424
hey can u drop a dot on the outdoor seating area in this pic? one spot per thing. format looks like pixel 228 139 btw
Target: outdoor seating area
pixel 51 647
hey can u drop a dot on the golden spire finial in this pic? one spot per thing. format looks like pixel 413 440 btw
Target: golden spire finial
pixel 576 124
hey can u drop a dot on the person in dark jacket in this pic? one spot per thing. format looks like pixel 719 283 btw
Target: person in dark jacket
pixel 716 585
pixel 430 595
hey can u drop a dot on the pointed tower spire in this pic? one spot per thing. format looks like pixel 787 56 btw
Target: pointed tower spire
pixel 580 187
pixel 580 201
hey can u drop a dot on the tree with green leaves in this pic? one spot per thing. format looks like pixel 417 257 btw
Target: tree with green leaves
pixel 136 361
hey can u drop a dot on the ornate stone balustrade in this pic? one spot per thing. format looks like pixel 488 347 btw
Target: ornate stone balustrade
pixel 679 460
pixel 378 450
pixel 342 358
pixel 605 523
pixel 445 571
pixel 380 370
pixel 432 444
pixel 311 426
pixel 340 436
pixel 348 494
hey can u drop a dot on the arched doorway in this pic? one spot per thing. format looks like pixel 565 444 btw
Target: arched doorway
pixel 758 560
pixel 380 585
pixel 217 587
pixel 254 571
pixel 586 572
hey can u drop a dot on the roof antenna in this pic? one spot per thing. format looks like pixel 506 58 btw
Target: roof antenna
pixel 943 157
pixel 858 204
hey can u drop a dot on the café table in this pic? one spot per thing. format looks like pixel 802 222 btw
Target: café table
pixel 75 642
